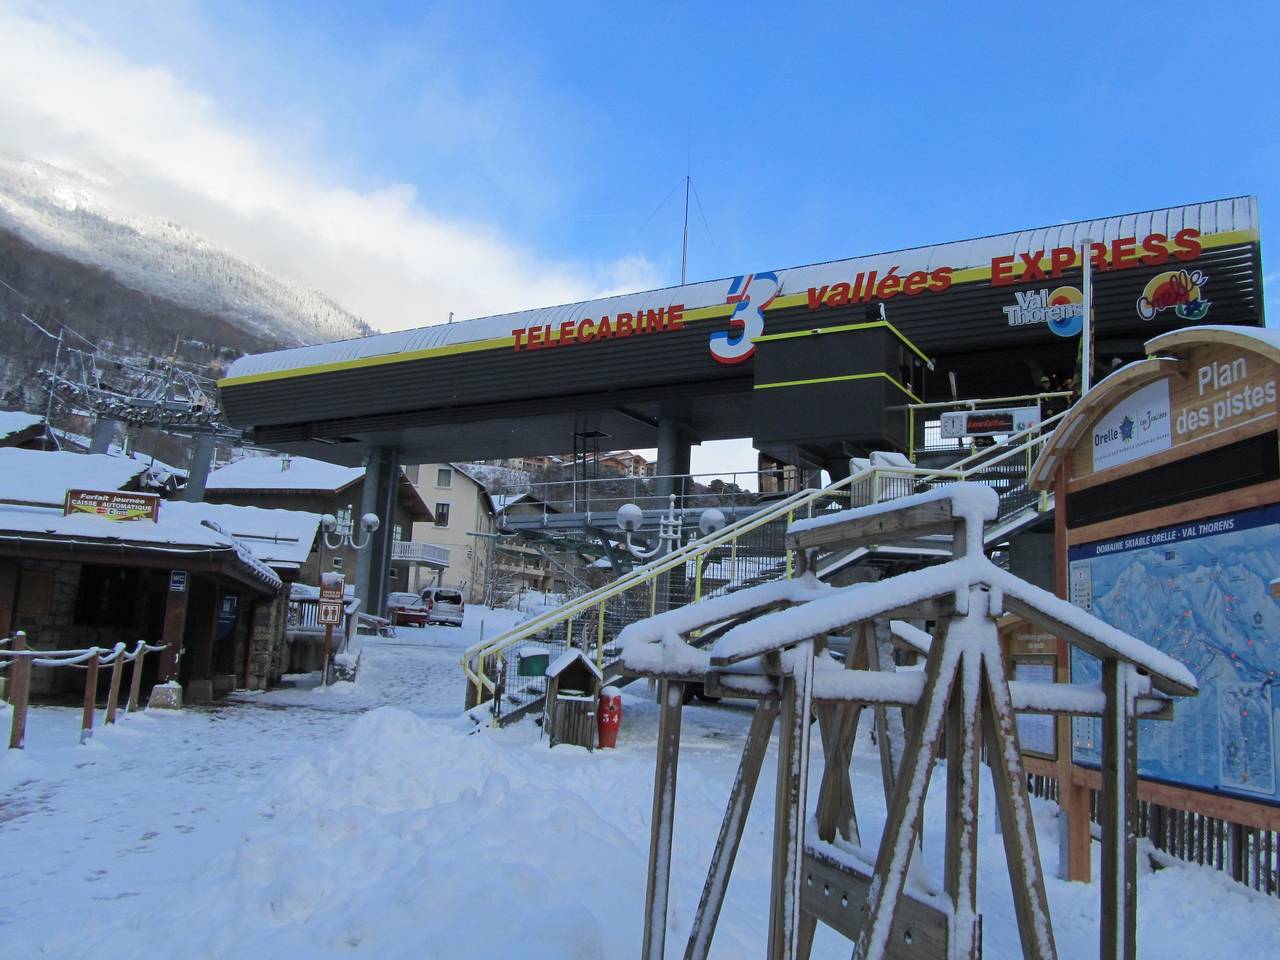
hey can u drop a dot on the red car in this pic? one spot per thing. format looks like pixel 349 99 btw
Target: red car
pixel 406 610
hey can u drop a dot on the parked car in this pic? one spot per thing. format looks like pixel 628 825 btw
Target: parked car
pixel 406 610
pixel 444 605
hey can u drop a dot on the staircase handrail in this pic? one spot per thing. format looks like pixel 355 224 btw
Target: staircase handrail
pixel 1018 443
pixel 644 574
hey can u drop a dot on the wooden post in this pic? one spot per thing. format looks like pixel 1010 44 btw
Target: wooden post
pixel 135 679
pixel 175 621
pixel 90 695
pixel 735 819
pixel 113 696
pixel 960 873
pixel 671 703
pixel 903 815
pixel 19 690
pixel 328 653
pixel 1119 811
pixel 1018 829
pixel 790 811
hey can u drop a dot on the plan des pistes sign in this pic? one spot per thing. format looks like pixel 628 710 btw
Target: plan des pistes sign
pixel 112 504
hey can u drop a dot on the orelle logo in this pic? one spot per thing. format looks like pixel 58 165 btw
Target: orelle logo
pixel 751 295
pixel 1061 310
pixel 1176 290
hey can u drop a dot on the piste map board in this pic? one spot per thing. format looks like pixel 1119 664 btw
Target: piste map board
pixel 1206 592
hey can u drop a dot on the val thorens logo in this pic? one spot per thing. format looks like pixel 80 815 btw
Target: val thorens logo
pixel 751 295
pixel 1061 310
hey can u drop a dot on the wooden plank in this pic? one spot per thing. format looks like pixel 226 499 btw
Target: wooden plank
pixel 1086 643
pixel 671 702
pixel 1018 829
pixel 1258 495
pixel 905 811
pixel 791 808
pixel 836 893
pixel 1231 809
pixel 735 818
pixel 960 860
pixel 1118 813
pixel 836 812
pixel 905 523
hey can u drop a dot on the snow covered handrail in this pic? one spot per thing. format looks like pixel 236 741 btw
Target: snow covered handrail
pixel 89 660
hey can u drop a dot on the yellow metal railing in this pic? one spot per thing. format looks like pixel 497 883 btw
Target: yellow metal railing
pixel 871 485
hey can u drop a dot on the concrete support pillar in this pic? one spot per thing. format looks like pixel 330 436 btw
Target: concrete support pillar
pixel 674 449
pixel 373 563
pixel 201 460
pixel 104 431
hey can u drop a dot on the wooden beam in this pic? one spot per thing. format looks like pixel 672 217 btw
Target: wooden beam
pixel 790 811
pixel 1022 854
pixel 905 523
pixel 960 862
pixel 1118 807
pixel 175 622
pixel 1088 644
pixel 735 818
pixel 835 893
pixel 671 702
pixel 905 811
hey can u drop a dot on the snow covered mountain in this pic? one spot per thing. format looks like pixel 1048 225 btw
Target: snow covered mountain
pixel 73 215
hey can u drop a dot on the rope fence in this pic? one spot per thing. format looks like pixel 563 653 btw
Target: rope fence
pixel 19 660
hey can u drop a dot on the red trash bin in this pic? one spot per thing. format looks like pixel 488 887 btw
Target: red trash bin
pixel 609 716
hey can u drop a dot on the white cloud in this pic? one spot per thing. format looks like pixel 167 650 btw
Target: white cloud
pixel 166 150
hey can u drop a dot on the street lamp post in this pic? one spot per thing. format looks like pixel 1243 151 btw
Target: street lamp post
pixel 339 532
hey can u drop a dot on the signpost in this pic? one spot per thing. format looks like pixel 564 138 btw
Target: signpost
pixel 988 423
pixel 112 505
pixel 332 586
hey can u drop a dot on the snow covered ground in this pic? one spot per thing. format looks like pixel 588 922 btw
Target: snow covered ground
pixel 370 819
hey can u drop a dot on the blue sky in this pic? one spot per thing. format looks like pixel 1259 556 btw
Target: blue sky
pixel 813 131
pixel 414 159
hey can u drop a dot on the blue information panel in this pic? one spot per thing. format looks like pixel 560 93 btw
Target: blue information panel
pixel 1208 594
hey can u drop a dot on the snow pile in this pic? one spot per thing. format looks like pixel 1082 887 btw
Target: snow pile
pixel 407 838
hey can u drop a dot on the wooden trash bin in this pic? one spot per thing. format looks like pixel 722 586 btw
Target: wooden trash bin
pixel 573 697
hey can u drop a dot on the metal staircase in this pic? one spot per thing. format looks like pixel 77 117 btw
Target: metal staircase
pixel 750 550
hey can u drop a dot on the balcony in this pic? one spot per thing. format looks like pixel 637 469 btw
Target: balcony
pixel 424 553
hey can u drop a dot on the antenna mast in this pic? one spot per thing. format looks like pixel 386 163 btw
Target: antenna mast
pixel 684 253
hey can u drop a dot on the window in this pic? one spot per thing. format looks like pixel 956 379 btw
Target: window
pixel 395 572
pixel 397 533
pixel 412 473
pixel 444 477
pixel 337 563
pixel 442 514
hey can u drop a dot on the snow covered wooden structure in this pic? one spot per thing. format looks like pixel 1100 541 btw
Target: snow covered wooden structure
pixel 770 644
pixel 573 697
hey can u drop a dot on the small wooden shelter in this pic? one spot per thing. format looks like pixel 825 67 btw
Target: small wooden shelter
pixel 770 645
pixel 573 697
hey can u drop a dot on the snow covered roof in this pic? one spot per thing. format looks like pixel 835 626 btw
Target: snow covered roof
pixel 562 663
pixel 283 473
pixel 45 476
pixel 175 532
pixel 1162 361
pixel 1220 216
pixel 279 538
pixel 14 422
